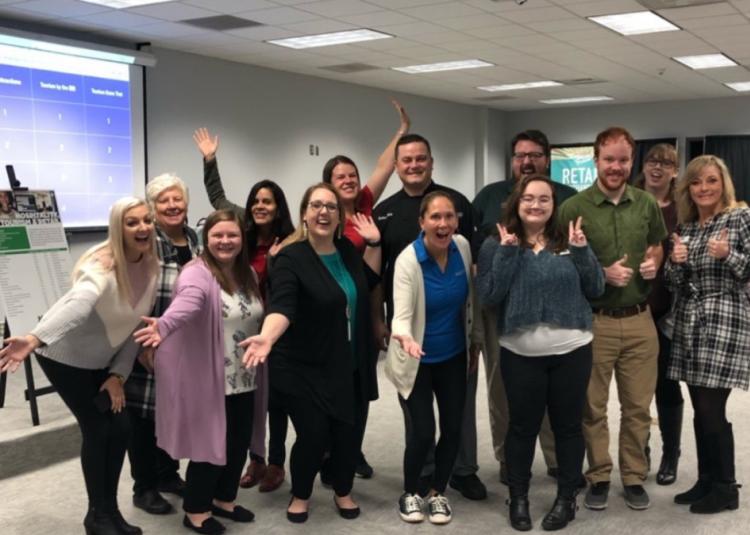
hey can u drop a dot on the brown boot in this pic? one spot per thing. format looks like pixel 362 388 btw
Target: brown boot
pixel 254 474
pixel 273 478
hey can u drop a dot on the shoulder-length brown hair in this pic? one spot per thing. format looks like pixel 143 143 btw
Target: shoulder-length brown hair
pixel 243 273
pixel 686 209
pixel 556 239
pixel 661 151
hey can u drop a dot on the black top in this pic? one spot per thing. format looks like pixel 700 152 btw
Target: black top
pixel 397 218
pixel 313 358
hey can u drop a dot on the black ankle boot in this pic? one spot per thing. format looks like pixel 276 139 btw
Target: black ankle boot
pixel 703 485
pixel 123 526
pixel 520 518
pixel 562 512
pixel 98 522
pixel 670 425
pixel 723 493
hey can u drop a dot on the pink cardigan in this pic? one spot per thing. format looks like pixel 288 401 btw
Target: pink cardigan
pixel 190 406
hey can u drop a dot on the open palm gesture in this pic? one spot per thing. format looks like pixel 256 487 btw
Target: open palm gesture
pixel 206 144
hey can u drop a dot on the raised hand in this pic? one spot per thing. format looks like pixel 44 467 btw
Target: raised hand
pixel 506 238
pixel 618 274
pixel 719 247
pixel 149 335
pixel 365 227
pixel 405 121
pixel 576 237
pixel 679 252
pixel 649 266
pixel 16 350
pixel 409 345
pixel 206 144
pixel 257 349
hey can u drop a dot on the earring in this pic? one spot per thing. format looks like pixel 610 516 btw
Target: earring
pixel 304 229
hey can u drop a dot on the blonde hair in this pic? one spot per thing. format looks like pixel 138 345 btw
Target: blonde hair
pixel 162 183
pixel 109 255
pixel 300 233
pixel 686 209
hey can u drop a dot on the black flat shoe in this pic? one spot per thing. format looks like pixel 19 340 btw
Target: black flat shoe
pixel 296 518
pixel 348 513
pixel 520 518
pixel 562 512
pixel 152 502
pixel 238 514
pixel 210 526
pixel 363 469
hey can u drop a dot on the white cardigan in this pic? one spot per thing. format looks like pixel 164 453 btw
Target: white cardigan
pixel 409 315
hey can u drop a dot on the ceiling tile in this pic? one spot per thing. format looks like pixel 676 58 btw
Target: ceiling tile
pixel 119 19
pixel 318 26
pixel 63 8
pixel 231 7
pixel 279 16
pixel 588 8
pixel 376 20
pixel 696 12
pixel 173 11
pixel 444 11
pixel 473 22
pixel 335 8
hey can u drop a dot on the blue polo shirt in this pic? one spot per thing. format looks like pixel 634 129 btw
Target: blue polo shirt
pixel 445 294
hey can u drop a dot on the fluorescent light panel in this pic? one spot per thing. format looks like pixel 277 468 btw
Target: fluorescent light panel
pixel 329 39
pixel 445 66
pixel 124 4
pixel 739 86
pixel 637 23
pixel 705 61
pixel 575 100
pixel 515 87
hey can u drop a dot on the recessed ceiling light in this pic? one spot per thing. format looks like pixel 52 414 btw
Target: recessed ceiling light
pixel 706 61
pixel 445 66
pixel 636 23
pixel 123 4
pixel 514 87
pixel 575 100
pixel 739 86
pixel 329 39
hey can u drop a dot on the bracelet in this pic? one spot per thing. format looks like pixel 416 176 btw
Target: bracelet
pixel 119 378
pixel 372 243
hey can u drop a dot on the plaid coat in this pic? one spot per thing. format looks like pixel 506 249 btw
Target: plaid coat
pixel 711 342
pixel 139 388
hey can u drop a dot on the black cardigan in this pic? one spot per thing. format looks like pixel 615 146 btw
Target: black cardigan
pixel 313 358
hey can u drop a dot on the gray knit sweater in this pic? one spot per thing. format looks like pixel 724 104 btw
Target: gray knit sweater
pixel 527 289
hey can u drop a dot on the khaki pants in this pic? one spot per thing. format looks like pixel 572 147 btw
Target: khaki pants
pixel 629 348
pixel 497 400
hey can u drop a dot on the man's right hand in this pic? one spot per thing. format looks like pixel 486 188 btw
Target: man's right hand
pixel 618 274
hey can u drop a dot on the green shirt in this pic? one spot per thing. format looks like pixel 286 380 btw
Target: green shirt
pixel 616 230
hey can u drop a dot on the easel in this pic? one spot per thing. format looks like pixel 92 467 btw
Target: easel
pixel 31 392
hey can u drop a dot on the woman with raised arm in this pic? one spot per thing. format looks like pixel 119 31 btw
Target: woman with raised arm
pixel 539 283
pixel 708 270
pixel 154 471
pixel 84 346
pixel 204 409
pixel 434 346
pixel 323 357
pixel 267 223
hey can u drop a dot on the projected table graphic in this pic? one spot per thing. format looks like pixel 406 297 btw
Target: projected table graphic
pixel 68 132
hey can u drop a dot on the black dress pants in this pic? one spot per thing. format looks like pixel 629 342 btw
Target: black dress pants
pixel 149 464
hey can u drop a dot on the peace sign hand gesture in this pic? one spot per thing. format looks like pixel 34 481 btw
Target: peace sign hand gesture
pixel 576 237
pixel 506 238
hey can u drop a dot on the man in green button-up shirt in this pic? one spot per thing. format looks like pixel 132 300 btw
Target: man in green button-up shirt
pixel 624 227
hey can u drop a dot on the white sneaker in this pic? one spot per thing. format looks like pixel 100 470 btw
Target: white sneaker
pixel 410 507
pixel 439 509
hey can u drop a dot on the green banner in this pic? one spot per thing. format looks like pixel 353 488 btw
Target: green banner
pixel 573 166
pixel 14 239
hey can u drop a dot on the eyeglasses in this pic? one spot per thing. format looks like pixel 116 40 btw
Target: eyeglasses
pixel 319 205
pixel 520 156
pixel 653 162
pixel 530 199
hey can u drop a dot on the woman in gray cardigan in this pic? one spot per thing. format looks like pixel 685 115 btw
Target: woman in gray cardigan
pixel 539 283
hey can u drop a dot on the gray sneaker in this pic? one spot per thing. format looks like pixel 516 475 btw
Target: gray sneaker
pixel 636 497
pixel 596 496
pixel 439 509
pixel 410 507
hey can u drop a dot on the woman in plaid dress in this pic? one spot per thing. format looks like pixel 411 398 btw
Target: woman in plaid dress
pixel 708 270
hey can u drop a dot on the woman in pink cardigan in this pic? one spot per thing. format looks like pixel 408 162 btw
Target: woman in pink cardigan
pixel 204 394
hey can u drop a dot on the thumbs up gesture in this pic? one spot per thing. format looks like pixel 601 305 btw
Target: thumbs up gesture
pixel 679 250
pixel 618 274
pixel 648 267
pixel 719 247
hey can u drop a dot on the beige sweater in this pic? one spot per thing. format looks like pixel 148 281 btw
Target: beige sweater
pixel 409 315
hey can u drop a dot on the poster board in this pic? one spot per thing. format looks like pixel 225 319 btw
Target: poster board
pixel 35 263
pixel 573 165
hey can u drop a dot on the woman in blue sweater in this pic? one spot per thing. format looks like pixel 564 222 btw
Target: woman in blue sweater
pixel 539 283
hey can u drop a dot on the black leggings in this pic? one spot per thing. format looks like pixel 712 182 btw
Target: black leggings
pixel 668 392
pixel 447 380
pixel 278 424
pixel 710 407
pixel 205 481
pixel 556 384
pixel 104 436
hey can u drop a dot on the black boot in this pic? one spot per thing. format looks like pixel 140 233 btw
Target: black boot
pixel 723 494
pixel 520 518
pixel 703 485
pixel 670 425
pixel 98 522
pixel 123 526
pixel 562 512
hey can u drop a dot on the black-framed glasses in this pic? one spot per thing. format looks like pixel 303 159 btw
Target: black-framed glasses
pixel 653 162
pixel 520 156
pixel 319 205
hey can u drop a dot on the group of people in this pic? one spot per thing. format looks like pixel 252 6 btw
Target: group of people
pixel 176 344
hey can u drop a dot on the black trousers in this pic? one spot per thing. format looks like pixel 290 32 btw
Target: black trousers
pixel 205 481
pixel 104 436
pixel 447 381
pixel 318 433
pixel 556 384
pixel 149 464
pixel 668 392
pixel 278 424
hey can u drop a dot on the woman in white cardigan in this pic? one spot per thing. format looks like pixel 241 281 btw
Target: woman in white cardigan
pixel 433 329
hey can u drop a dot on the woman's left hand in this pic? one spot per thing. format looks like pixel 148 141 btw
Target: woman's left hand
pixel 719 247
pixel 113 386
pixel 365 227
pixel 576 237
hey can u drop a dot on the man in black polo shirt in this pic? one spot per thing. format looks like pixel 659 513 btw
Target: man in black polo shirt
pixel 397 218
